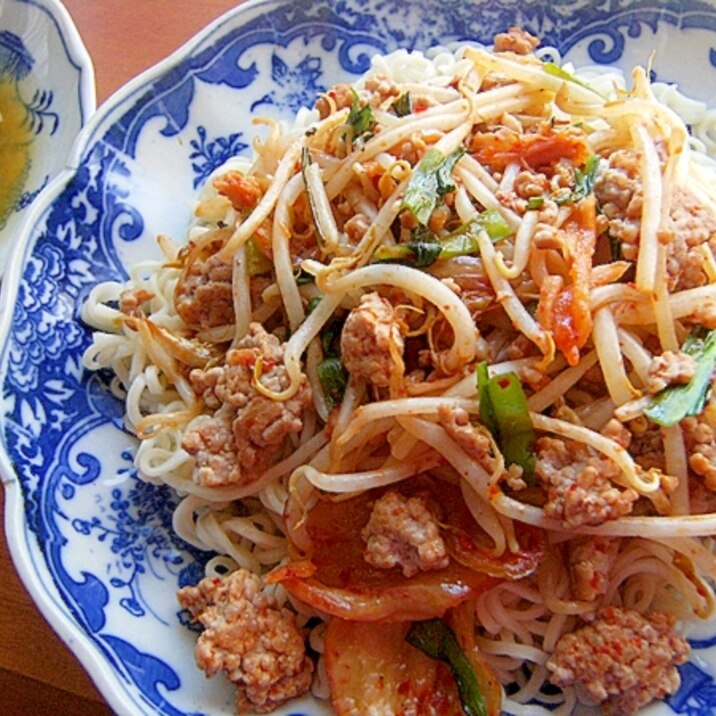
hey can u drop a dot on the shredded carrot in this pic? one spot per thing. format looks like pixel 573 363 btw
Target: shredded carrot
pixel 243 192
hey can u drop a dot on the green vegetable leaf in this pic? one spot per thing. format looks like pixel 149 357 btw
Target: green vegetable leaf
pixel 505 413
pixel 556 71
pixel 435 638
pixel 403 106
pixel 312 304
pixel 615 247
pixel 425 248
pixel 334 378
pixel 443 174
pixel 303 277
pixel 676 402
pixel 583 183
pixel 487 414
pixel 361 119
pixel 431 179
pixel 257 262
pixel 584 178
pixel 421 251
pixel 535 202
pixel 463 241
pixel 397 253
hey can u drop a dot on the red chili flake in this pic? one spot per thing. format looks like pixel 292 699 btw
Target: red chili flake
pixel 466 543
pixel 404 688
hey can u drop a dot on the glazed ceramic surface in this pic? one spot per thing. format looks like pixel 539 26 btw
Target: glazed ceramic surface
pixel 93 544
pixel 46 96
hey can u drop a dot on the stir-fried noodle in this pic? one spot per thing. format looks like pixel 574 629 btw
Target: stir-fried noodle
pixel 443 348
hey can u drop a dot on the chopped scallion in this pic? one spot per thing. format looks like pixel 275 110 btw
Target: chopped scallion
pixel 505 413
pixel 435 638
pixel 676 402
pixel 431 179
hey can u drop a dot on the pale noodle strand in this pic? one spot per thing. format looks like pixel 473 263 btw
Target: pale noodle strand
pixel 606 342
pixel 241 292
pixel 677 465
pixel 662 305
pixel 398 407
pixel 422 284
pixel 257 530
pixel 521 254
pixel 313 358
pixel 183 519
pixel 515 309
pixel 467 171
pixel 436 437
pixel 559 385
pixel 443 118
pixel 641 483
pixel 210 531
pixel 652 527
pixel 280 244
pixel 96 313
pixel 635 352
pixel 484 515
pixel 369 479
pixel 133 413
pixel 253 221
pixel 646 264
pixel 378 231
pixel 300 340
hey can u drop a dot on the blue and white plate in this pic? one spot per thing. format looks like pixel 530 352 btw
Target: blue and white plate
pixel 46 96
pixel 94 545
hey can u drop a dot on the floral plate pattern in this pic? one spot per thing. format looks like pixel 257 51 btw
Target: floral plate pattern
pixel 93 544
pixel 46 96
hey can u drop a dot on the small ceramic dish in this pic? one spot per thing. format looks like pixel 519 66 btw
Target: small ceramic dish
pixel 46 96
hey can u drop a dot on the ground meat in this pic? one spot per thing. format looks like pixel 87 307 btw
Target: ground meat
pixel 203 295
pixel 337 98
pixel 692 224
pixel 356 227
pixel 211 441
pixel 669 368
pixel 515 40
pixel 529 184
pixel 247 636
pixel 622 660
pixel 579 484
pixel 404 532
pixel 371 342
pixel 590 561
pixel 381 88
pixel 703 314
pixel 616 431
pixel 236 443
pixel 647 444
pixel 619 193
pixel 701 499
pixel 131 300
pixel 473 440
pixel 700 439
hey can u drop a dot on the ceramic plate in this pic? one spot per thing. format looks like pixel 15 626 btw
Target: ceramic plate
pixel 46 96
pixel 93 544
